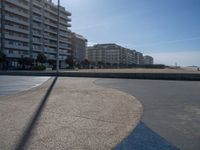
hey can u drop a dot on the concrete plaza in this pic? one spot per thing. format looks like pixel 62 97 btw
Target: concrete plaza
pixel 171 108
pixel 67 113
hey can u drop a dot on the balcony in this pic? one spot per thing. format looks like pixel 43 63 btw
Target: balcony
pixel 65 12
pixel 37 34
pixel 51 38
pixel 37 49
pixel 50 23
pixel 16 20
pixel 37 27
pixel 64 40
pixel 16 11
pixel 64 22
pixel 49 50
pixel 49 10
pixel 14 28
pixel 63 28
pixel 51 17
pixel 15 2
pixel 38 19
pixel 51 31
pixel 16 55
pixel 69 25
pixel 65 35
pixel 64 16
pixel 36 3
pixel 68 48
pixel 17 38
pixel 63 52
pixel 50 44
pixel 37 11
pixel 69 19
pixel 64 46
pixel 37 42
pixel 16 47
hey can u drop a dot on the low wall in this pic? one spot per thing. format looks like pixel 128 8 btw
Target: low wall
pixel 151 76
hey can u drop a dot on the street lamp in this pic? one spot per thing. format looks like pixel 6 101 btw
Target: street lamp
pixel 58 37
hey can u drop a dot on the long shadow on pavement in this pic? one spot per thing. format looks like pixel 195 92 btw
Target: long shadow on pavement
pixel 33 122
pixel 143 138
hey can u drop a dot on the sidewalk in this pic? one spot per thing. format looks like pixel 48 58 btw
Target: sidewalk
pixel 77 115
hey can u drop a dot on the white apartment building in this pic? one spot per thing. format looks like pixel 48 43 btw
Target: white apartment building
pixel 112 54
pixel 139 58
pixel 79 44
pixel 148 60
pixel 29 27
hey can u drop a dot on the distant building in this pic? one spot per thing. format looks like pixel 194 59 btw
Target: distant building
pixel 79 44
pixel 148 60
pixel 112 54
pixel 29 27
pixel 116 55
pixel 132 57
pixel 139 58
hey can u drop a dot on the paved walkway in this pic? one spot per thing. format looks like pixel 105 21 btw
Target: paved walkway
pixel 171 109
pixel 14 84
pixel 72 114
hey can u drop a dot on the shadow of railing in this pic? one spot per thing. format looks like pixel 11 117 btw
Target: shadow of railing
pixel 35 118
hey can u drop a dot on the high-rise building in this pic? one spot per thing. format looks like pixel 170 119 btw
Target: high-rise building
pixel 79 44
pixel 30 27
pixel 148 60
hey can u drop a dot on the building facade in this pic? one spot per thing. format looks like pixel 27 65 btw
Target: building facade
pixel 139 58
pixel 104 53
pixel 79 44
pixel 112 54
pixel 148 60
pixel 30 27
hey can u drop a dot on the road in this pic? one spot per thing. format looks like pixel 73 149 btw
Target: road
pixel 171 108
pixel 14 84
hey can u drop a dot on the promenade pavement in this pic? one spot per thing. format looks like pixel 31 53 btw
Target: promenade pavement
pixel 10 85
pixel 73 113
pixel 171 110
pixel 142 70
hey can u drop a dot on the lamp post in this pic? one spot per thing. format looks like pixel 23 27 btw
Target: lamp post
pixel 2 26
pixel 58 37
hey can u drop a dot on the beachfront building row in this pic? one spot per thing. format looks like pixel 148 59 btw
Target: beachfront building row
pixel 115 55
pixel 30 27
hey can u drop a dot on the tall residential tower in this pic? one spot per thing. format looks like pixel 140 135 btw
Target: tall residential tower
pixel 29 27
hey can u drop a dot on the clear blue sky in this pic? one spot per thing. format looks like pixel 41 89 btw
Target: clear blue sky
pixel 169 30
